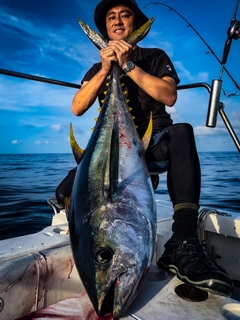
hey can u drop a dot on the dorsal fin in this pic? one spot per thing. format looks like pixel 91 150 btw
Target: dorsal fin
pixel 148 134
pixel 77 151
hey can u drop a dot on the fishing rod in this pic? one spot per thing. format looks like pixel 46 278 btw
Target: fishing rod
pixel 233 30
pixel 215 105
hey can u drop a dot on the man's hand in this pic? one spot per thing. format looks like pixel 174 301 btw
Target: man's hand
pixel 107 55
pixel 122 51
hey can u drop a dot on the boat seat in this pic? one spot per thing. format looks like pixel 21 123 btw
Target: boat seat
pixel 156 168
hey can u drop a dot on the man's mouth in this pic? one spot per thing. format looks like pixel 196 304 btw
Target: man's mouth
pixel 119 31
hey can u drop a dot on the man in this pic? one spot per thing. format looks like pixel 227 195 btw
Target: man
pixel 151 80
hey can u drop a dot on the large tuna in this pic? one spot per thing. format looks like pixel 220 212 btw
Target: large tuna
pixel 112 216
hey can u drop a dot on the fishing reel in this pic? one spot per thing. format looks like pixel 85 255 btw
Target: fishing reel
pixel 233 31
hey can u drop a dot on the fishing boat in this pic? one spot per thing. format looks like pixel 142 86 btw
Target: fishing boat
pixel 39 279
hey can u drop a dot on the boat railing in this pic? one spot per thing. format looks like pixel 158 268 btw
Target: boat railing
pixel 214 104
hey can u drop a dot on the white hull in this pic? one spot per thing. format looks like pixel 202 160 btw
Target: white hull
pixel 38 270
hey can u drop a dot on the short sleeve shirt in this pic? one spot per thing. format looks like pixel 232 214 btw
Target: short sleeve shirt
pixel 157 63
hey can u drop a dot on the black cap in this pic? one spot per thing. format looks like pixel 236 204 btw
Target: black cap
pixel 105 5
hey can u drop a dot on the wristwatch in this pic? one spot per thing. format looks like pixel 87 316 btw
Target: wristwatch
pixel 128 66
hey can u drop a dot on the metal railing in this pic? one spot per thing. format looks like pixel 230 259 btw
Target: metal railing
pixel 213 101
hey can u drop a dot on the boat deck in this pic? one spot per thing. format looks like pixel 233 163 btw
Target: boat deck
pixel 45 274
pixel 157 300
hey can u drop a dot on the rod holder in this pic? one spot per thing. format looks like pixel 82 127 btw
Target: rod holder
pixel 214 103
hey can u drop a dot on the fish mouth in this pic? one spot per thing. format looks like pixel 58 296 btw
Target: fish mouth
pixel 116 301
pixel 106 304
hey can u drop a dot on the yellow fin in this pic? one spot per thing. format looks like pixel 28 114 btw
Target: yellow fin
pixel 99 109
pixel 147 135
pixel 77 151
pixel 95 119
pixel 127 100
pixel 125 93
pixel 92 129
pixel 105 92
pixel 102 101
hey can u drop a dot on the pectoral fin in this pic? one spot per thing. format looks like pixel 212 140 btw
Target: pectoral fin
pixel 77 151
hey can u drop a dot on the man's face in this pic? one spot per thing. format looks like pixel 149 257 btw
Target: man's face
pixel 120 22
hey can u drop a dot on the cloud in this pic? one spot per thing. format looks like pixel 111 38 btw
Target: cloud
pixel 19 95
pixel 186 74
pixel 57 127
pixel 202 131
pixel 16 141
pixel 236 120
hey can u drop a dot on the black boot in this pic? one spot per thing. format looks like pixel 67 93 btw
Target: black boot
pixel 191 263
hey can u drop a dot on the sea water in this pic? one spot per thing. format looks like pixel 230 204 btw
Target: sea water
pixel 27 181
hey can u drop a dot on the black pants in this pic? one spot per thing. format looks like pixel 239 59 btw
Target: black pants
pixel 177 145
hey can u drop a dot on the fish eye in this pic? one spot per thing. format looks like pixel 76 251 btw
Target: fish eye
pixel 103 256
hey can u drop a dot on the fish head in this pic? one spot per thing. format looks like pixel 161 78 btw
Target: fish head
pixel 120 262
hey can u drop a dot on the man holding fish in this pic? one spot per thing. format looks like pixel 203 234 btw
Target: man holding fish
pixel 150 79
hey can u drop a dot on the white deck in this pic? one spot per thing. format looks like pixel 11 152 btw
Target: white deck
pixel 157 300
pixel 37 270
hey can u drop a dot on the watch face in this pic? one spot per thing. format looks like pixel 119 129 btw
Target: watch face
pixel 129 66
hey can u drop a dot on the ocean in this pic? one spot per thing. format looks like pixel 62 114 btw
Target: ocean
pixel 27 181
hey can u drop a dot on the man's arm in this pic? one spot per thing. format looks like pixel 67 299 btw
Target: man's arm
pixel 89 91
pixel 163 90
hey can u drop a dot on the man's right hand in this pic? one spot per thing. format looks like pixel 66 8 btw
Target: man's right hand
pixel 107 55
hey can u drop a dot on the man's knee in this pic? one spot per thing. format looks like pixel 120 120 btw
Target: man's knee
pixel 182 129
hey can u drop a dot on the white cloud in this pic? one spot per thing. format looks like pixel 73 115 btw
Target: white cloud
pixel 235 115
pixel 19 95
pixel 16 141
pixel 56 127
pixel 202 131
pixel 186 74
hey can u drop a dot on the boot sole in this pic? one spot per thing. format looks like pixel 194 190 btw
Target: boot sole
pixel 211 285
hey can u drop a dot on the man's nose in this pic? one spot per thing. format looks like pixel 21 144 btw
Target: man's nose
pixel 118 20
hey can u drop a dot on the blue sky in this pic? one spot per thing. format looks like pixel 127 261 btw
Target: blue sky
pixel 43 38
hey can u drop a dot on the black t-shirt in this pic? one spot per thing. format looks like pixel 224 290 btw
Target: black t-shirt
pixel 157 63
